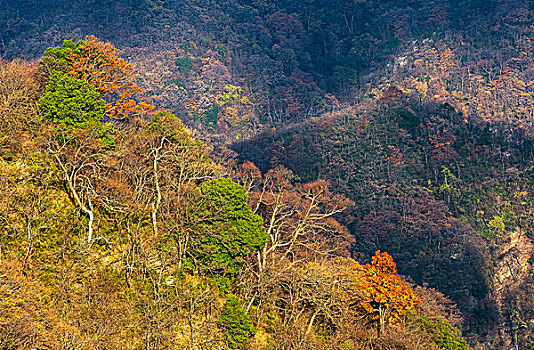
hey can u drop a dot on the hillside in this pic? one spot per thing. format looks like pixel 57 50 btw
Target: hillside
pixel 407 124
pixel 119 232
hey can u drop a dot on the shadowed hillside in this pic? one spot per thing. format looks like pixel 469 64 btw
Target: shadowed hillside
pixel 348 127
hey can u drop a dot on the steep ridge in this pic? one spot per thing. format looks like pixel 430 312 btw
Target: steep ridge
pixel 436 150
pixel 118 231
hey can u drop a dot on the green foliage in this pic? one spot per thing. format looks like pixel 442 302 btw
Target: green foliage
pixel 449 181
pixel 210 117
pixel 184 65
pixel 72 102
pixel 442 333
pixel 105 134
pixel 227 230
pixel 223 284
pixel 496 226
pixel 449 188
pixel 60 55
pixel 175 81
pixel 169 125
pixel 75 104
pixel 347 345
pixel 232 93
pixel 408 121
pixel 236 323
pixel 393 42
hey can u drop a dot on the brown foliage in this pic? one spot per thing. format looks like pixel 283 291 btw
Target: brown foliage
pixel 18 104
pixel 25 322
pixel 300 218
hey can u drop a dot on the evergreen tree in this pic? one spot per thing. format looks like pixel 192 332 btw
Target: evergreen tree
pixel 71 102
pixel 227 230
pixel 235 320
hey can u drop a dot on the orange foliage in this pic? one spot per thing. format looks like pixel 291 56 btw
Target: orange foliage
pixel 99 64
pixel 385 294
pixel 25 321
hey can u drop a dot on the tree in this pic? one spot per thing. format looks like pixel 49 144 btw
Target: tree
pixel 100 65
pixel 442 333
pixel 71 102
pixel 25 321
pixel 60 57
pixel 386 296
pixel 227 230
pixel 299 218
pixel 80 138
pixel 162 166
pixel 19 92
pixel 236 322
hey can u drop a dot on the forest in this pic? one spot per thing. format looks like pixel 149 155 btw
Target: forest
pixel 229 174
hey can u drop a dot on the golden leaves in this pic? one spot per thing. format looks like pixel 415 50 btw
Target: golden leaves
pixel 385 295
pixel 100 65
pixel 235 104
pixel 395 156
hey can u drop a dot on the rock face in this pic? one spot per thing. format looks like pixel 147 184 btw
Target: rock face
pixel 512 265
pixel 512 283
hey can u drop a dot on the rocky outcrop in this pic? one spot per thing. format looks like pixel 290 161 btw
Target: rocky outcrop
pixel 511 275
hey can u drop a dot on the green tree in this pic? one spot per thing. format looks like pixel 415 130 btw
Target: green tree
pixel 71 102
pixel 442 333
pixel 75 104
pixel 184 65
pixel 226 228
pixel 236 322
pixel 59 56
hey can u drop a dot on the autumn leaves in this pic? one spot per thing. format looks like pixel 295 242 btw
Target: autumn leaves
pixel 386 294
pixel 99 64
pixel 91 88
pixel 130 188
